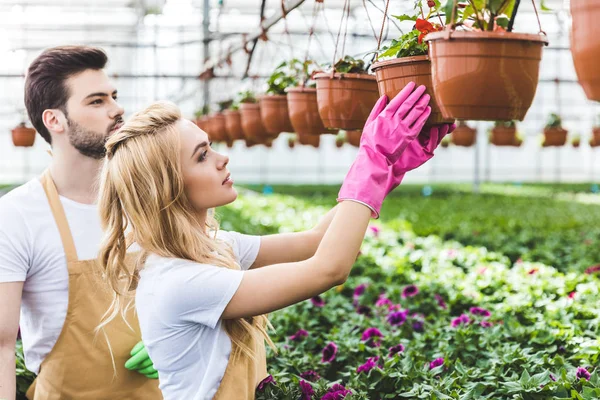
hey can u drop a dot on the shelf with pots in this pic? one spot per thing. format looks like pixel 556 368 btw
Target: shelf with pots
pixel 554 133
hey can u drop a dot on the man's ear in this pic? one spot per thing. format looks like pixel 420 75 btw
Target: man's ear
pixel 54 120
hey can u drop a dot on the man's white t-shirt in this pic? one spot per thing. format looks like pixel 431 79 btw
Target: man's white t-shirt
pixel 179 305
pixel 31 251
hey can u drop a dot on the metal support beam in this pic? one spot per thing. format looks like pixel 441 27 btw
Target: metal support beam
pixel 206 51
pixel 267 23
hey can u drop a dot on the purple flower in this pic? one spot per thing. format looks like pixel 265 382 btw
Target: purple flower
pixel 269 380
pixel 582 373
pixel 397 318
pixel 480 311
pixel 364 310
pixel 441 301
pixel 462 320
pixel 372 333
pixel 375 230
pixel 307 390
pixel 410 291
pixel 399 348
pixel 336 392
pixel 310 375
pixel 486 324
pixel 301 334
pixel 383 301
pixel 418 326
pixel 329 352
pixel 369 365
pixel 318 301
pixel 359 290
pixel 436 363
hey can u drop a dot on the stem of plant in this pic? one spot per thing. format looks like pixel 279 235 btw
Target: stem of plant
pixel 512 17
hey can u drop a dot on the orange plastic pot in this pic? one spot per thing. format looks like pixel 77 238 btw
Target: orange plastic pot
pixel 596 134
pixel 485 76
pixel 23 136
pixel 502 136
pixel 345 100
pixel 252 125
pixel 233 124
pixel 310 140
pixel 555 136
pixel 393 75
pixel 464 136
pixel 274 114
pixel 585 45
pixel 218 129
pixel 304 111
pixel 353 137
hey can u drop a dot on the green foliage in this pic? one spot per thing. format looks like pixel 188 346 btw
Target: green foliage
pixel 485 14
pixel 554 121
pixel 505 124
pixel 349 64
pixel 24 377
pixel 406 46
pixel 290 74
pixel 224 105
pixel 246 96
pixel 205 110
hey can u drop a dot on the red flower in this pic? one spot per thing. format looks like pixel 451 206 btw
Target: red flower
pixel 425 27
pixel 430 3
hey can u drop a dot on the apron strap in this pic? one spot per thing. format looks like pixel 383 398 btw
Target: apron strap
pixel 59 216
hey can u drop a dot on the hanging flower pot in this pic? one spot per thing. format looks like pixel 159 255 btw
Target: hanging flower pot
pixel 252 125
pixel 339 142
pixel 596 134
pixel 353 137
pixel 485 76
pixel 310 140
pixel 576 142
pixel 393 75
pixel 464 135
pixel 218 129
pixel 554 134
pixel 345 99
pixel 291 142
pixel 233 124
pixel 504 133
pixel 304 111
pixel 274 114
pixel 23 136
pixel 585 45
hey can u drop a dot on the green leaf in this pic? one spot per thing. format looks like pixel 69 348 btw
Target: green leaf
pixel 405 17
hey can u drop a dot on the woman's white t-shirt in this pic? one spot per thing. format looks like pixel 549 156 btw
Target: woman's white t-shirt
pixel 179 305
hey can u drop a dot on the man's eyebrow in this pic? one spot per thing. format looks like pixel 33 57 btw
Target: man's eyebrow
pixel 99 94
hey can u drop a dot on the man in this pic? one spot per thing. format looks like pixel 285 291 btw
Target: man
pixel 50 234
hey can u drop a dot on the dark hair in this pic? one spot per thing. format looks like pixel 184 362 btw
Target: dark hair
pixel 45 84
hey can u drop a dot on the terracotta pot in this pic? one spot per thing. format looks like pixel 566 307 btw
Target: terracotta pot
pixel 310 140
pixel 485 76
pixel 596 134
pixel 594 143
pixel 464 136
pixel 576 144
pixel 353 137
pixel 339 143
pixel 502 136
pixel 585 45
pixel 218 130
pixel 555 136
pixel 345 100
pixel 394 75
pixel 233 124
pixel 23 136
pixel 274 114
pixel 304 111
pixel 252 125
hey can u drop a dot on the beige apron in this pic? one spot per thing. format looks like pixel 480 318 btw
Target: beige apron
pixel 243 376
pixel 79 365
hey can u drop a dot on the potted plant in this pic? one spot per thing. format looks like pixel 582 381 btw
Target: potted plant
pixel 353 137
pixel 464 135
pixel 554 134
pixel 445 143
pixel 340 140
pixel 233 120
pixel 405 59
pixel 291 141
pixel 252 126
pixel 484 71
pixel 274 104
pixel 302 104
pixel 309 140
pixel 504 133
pixel 346 95
pixel 576 141
pixel 585 45
pixel 22 136
pixel 218 129
pixel 593 142
pixel 201 117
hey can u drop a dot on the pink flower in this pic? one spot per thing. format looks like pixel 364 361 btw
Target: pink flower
pixel 310 375
pixel 307 390
pixel 336 392
pixel 372 333
pixel 486 324
pixel 329 352
pixel 582 373
pixel 369 365
pixel 301 334
pixel 317 301
pixel 399 348
pixel 436 363
pixel 359 290
pixel 572 294
pixel 269 380
pixel 441 301
pixel 480 311
pixel 532 271
pixel 375 230
pixel 410 291
pixel 383 301
pixel 462 320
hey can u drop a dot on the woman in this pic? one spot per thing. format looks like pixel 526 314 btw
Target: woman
pixel 202 295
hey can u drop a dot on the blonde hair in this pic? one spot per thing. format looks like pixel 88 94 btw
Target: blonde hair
pixel 141 188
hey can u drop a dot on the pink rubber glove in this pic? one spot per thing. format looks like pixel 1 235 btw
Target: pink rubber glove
pixel 417 153
pixel 389 130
